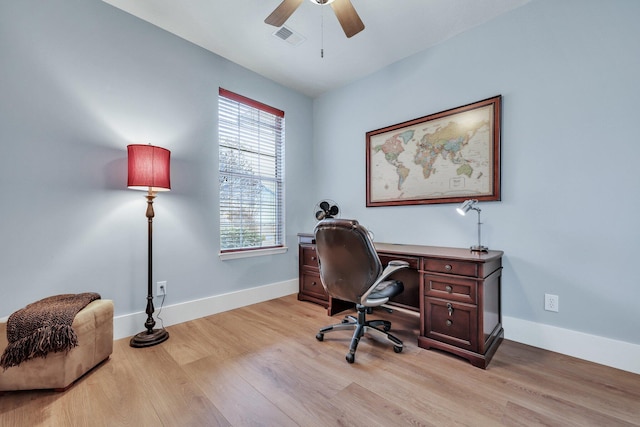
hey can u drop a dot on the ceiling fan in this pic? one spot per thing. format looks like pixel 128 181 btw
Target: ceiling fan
pixel 344 10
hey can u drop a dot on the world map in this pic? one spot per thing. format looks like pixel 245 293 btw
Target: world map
pixel 446 157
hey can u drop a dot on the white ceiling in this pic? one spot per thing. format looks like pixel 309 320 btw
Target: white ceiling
pixel 394 29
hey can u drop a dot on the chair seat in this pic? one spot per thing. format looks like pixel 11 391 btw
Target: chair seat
pixel 387 289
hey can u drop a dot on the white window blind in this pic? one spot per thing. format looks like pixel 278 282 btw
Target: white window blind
pixel 251 145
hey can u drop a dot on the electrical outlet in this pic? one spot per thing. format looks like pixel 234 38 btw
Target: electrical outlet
pixel 551 302
pixel 161 288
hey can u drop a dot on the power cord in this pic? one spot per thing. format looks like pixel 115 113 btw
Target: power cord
pixel 160 310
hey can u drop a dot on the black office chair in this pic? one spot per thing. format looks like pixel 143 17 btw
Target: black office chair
pixel 351 270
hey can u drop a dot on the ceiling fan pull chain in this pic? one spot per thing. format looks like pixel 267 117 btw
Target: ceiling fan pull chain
pixel 322 34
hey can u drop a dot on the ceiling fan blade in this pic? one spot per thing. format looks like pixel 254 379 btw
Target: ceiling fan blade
pixel 348 17
pixel 279 16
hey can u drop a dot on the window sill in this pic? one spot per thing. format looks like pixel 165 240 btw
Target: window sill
pixel 252 253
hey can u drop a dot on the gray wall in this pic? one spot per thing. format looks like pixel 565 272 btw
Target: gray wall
pixel 568 220
pixel 79 81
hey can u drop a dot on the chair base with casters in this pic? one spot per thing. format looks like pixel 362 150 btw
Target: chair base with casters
pixel 360 325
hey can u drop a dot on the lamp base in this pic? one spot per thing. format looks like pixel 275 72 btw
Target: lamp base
pixel 479 249
pixel 148 339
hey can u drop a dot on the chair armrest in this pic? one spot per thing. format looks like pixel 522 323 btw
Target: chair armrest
pixel 391 268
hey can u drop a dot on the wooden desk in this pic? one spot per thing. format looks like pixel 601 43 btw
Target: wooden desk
pixel 455 291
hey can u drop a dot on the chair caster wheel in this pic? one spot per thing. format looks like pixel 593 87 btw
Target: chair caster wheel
pixel 397 348
pixel 319 336
pixel 386 328
pixel 350 357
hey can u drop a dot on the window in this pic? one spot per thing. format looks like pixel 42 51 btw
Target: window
pixel 251 145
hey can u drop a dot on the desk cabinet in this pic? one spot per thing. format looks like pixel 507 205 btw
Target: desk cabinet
pixel 460 312
pixel 310 286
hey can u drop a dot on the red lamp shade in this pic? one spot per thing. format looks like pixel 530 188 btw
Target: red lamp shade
pixel 148 168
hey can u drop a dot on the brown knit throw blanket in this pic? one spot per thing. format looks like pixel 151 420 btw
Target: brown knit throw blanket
pixel 43 327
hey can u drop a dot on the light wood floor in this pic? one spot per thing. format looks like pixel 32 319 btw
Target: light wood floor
pixel 262 366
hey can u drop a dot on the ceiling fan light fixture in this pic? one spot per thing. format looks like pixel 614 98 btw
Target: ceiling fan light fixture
pixel 345 12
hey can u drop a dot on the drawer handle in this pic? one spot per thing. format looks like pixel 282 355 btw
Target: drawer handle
pixel 448 267
pixel 313 283
pixel 448 288
pixel 313 258
pixel 449 322
pixel 450 309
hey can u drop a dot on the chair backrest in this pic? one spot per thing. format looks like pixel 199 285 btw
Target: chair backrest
pixel 348 261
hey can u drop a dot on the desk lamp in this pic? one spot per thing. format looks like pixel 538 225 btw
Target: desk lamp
pixel 465 207
pixel 149 170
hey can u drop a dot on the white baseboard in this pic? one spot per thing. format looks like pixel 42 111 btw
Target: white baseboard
pixel 605 351
pixel 130 324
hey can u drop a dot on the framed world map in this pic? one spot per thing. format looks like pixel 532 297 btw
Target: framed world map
pixel 446 157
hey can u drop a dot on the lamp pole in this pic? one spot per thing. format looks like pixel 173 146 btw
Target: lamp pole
pixel 479 248
pixel 150 336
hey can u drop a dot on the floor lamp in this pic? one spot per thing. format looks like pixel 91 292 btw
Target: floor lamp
pixel 149 171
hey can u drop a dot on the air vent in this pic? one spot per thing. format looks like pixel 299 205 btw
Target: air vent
pixel 289 36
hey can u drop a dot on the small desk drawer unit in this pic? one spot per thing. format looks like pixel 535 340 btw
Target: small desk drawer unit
pixel 460 311
pixel 311 288
pixel 310 284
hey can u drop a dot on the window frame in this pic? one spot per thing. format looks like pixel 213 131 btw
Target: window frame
pixel 277 179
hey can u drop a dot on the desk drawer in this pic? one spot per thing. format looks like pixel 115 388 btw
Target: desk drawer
pixel 451 288
pixel 451 322
pixel 311 285
pixel 309 256
pixel 414 262
pixel 459 268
